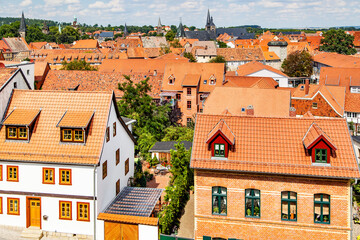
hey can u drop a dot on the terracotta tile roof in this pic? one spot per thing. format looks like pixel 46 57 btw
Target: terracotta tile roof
pixel 152 52
pixel 4 46
pixel 336 76
pixel 222 127
pixel 76 119
pixel 137 52
pixel 255 66
pixel 337 60
pixel 172 56
pixel 21 117
pixel 128 43
pixel 17 44
pixel 154 42
pixel 5 75
pixel 153 221
pixel 98 81
pixel 266 102
pixel 298 47
pixel 44 142
pixel 352 101
pixel 334 95
pixel 241 54
pixel 246 43
pixel 86 44
pixel 308 114
pixel 145 66
pixel 274 146
pixel 270 56
pixel 37 45
pixel 313 133
pixel 314 41
pixel 206 70
pixel 256 82
pixel 191 80
pixel 187 40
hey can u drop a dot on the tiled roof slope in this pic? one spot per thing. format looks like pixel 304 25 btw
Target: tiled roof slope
pixel 274 145
pixel 97 81
pixel 255 82
pixel 17 44
pixel 206 70
pixel 172 56
pixel 241 54
pixel 255 66
pixel 266 102
pixel 339 76
pixel 145 66
pixel 86 44
pixel 352 102
pixel 5 74
pixel 44 142
pixel 337 60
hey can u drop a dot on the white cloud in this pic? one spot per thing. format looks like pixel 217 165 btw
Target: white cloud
pixel 270 4
pixel 112 6
pixel 25 3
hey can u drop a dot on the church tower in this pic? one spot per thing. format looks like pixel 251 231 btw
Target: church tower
pixel 159 30
pixel 45 29
pixel 126 33
pixel 22 29
pixel 180 33
pixel 210 26
pixel 208 19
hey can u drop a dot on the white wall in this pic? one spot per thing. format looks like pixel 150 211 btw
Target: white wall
pixel 6 91
pixel 282 80
pixel 28 69
pixel 106 187
pixel 148 232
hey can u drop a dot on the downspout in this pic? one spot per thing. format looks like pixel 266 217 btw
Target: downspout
pixel 351 212
pixel 94 199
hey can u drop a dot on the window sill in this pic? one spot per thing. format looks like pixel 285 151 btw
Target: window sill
pixel 252 217
pixel 289 220
pixel 322 222
pixel 218 158
pixel 219 214
pixel 321 164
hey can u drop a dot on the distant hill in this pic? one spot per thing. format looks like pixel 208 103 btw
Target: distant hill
pixel 38 22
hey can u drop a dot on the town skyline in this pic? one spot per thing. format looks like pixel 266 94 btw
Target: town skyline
pixel 298 14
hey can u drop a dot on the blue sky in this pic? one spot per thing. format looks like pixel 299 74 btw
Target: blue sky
pixel 266 13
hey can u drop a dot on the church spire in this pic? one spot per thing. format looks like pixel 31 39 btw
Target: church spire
pixel 125 31
pixel 22 29
pixel 180 31
pixel 159 23
pixel 208 19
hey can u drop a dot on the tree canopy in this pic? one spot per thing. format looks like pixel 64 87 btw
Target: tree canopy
pixel 178 134
pixel 77 65
pixel 170 35
pixel 217 59
pixel 298 64
pixel 336 40
pixel 190 56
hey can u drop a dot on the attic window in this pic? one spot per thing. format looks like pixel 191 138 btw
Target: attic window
pixel 314 105
pixel 220 140
pixel 19 123
pixel 69 58
pixel 74 125
pixel 171 79
pixel 320 155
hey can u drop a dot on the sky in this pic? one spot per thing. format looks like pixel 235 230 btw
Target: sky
pixel 266 13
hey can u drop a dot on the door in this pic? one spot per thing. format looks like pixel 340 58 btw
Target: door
pixel 121 231
pixel 34 212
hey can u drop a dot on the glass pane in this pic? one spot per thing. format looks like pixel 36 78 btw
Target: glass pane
pixel 215 204
pixel 318 197
pixel 216 146
pixel 223 190
pixel 223 205
pixel 222 147
pixel 317 209
pixel 248 207
pixel 257 193
pixel 256 208
pixel 247 192
pixel 285 208
pixel 292 195
pixel 284 195
pixel 326 209
pixel 292 210
pixel 326 198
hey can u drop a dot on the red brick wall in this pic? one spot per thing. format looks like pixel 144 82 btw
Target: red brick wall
pixel 323 109
pixel 270 226
pixel 188 113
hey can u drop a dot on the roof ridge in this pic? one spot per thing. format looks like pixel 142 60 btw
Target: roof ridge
pixel 277 117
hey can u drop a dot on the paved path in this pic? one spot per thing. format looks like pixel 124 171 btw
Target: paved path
pixel 7 233
pixel 186 228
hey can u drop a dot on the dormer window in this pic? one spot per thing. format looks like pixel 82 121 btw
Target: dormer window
pixel 171 79
pixel 318 145
pixel 212 80
pixel 19 124
pixel 74 126
pixel 220 140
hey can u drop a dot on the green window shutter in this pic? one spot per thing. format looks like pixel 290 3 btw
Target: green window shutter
pixel 206 238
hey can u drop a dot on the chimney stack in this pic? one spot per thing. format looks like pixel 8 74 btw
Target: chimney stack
pixel 250 110
pixel 292 112
pixel 307 83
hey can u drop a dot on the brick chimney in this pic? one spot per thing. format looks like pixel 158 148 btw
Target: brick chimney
pixel 250 110
pixel 292 112
pixel 307 83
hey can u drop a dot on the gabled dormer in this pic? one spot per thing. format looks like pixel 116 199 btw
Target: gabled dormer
pixel 212 80
pixel 171 79
pixel 74 126
pixel 318 145
pixel 220 140
pixel 19 124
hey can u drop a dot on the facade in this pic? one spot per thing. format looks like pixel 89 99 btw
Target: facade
pixel 189 84
pixel 279 48
pixel 272 178
pixel 76 155
pixel 17 49
pixel 28 70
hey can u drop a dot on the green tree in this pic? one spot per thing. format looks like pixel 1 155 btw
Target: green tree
pixel 139 176
pixel 10 30
pixel 222 44
pixel 34 34
pixel 77 65
pixel 170 35
pixel 218 59
pixel 68 35
pixel 190 56
pixel 298 64
pixel 178 134
pixel 338 41
pixel 118 35
pixel 177 192
pixel 176 44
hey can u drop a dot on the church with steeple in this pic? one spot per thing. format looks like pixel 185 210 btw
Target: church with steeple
pixel 210 26
pixel 22 29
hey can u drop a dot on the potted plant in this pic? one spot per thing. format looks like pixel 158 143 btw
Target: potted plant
pixel 257 211
pixel 326 219
pixel 248 212
pixel 216 210
pixel 284 216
